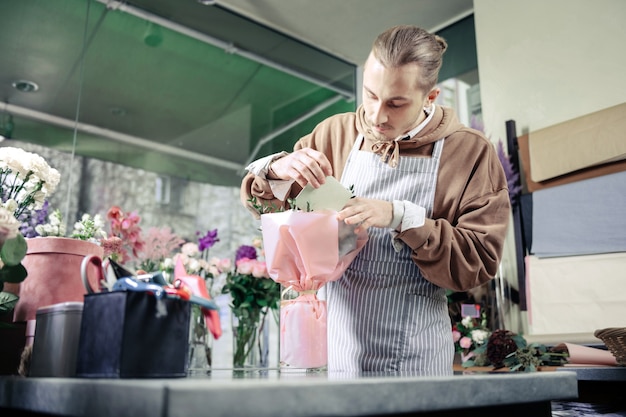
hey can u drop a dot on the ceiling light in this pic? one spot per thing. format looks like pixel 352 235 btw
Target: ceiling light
pixel 25 86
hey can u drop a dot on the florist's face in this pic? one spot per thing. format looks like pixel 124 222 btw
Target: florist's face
pixel 394 103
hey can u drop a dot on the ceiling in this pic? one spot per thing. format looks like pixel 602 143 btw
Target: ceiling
pixel 189 88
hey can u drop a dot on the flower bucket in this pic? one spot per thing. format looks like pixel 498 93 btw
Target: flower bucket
pixel 53 265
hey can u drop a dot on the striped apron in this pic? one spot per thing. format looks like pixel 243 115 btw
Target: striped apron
pixel 383 315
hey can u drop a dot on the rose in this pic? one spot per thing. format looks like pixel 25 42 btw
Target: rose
pixel 244 266
pixel 259 270
pixel 465 342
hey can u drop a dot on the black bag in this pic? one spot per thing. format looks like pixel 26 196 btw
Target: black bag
pixel 125 334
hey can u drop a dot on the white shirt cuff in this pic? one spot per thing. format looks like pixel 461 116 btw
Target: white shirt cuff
pixel 262 165
pixel 414 216
pixel 407 215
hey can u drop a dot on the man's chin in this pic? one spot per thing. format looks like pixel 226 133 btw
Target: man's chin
pixel 380 136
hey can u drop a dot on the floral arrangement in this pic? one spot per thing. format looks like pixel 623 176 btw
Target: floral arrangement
pixel 26 180
pixel 195 258
pixel 502 348
pixel 507 349
pixel 253 295
pixel 469 334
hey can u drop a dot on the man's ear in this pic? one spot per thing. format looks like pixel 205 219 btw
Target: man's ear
pixel 432 96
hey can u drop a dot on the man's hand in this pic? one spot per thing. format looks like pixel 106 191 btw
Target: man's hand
pixel 366 212
pixel 305 166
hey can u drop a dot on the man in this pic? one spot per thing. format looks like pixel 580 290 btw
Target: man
pixel 431 194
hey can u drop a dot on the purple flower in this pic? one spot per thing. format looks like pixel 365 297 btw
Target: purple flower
pixel 31 219
pixel 207 241
pixel 512 176
pixel 245 251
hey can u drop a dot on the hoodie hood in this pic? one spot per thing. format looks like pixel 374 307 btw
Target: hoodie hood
pixel 443 124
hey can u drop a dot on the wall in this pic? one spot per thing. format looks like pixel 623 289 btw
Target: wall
pixel 542 63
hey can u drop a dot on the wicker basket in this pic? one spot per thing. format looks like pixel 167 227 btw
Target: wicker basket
pixel 615 340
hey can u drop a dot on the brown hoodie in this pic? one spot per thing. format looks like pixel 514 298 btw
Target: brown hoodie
pixel 460 247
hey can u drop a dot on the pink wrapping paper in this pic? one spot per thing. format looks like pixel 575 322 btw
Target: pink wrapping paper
pixel 304 251
pixel 303 337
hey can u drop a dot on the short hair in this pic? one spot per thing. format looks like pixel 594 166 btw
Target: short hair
pixel 405 44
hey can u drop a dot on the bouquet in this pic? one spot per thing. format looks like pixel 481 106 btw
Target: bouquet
pixel 25 182
pixel 253 296
pixel 304 251
pixel 469 334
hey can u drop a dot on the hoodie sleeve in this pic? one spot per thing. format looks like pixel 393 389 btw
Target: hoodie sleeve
pixel 461 246
pixel 333 137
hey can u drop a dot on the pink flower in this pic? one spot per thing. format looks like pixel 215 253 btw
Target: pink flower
pixel 259 270
pixel 111 246
pixel 225 264
pixel 465 342
pixel 456 335
pixel 244 266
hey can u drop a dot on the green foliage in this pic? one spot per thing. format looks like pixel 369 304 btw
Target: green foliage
pixel 7 301
pixel 13 274
pixel 14 250
pixel 12 253
pixel 251 300
pixel 528 358
pixel 263 208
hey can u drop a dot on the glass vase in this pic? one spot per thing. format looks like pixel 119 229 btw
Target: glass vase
pixel 200 344
pixel 251 336
pixel 303 332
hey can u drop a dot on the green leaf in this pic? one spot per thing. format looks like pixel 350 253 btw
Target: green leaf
pixel 7 301
pixel 14 274
pixel 14 250
pixel 519 341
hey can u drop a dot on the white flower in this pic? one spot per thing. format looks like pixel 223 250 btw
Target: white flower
pixel 55 226
pixel 10 205
pixel 467 322
pixel 9 226
pixel 168 263
pixel 193 266
pixel 479 336
pixel 26 179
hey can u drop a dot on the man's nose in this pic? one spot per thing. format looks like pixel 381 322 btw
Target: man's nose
pixel 379 116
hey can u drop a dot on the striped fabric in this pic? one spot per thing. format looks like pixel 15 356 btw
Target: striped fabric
pixel 383 316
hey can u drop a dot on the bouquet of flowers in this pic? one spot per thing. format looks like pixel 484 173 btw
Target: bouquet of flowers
pixel 25 182
pixel 304 251
pixel 253 296
pixel 469 334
